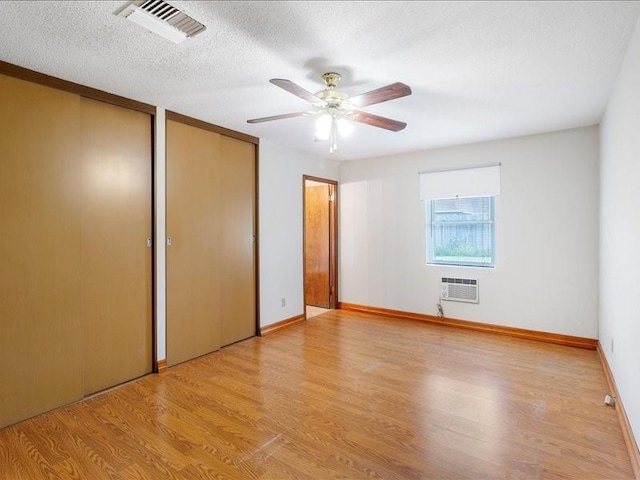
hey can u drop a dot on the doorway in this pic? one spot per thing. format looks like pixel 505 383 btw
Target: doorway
pixel 320 206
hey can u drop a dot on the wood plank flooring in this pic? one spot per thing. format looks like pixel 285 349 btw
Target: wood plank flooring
pixel 345 395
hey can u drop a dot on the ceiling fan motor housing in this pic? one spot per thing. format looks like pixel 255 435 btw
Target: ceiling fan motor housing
pixel 333 98
pixel 331 79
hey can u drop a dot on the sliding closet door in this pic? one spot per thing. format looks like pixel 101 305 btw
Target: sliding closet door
pixel 193 225
pixel 237 264
pixel 39 244
pixel 115 257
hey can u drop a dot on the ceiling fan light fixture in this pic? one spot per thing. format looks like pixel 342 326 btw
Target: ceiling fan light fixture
pixel 330 126
pixel 324 125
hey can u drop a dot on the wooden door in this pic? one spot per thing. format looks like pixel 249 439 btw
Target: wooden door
pixel 237 241
pixel 317 247
pixel 193 225
pixel 115 257
pixel 40 217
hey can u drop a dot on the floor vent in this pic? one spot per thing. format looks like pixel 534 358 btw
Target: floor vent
pixel 460 290
pixel 161 18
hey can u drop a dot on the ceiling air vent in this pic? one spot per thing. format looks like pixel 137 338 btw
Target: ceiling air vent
pixel 161 18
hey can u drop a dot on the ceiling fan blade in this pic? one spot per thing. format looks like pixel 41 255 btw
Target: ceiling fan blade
pixel 277 117
pixel 382 94
pixel 297 90
pixel 376 121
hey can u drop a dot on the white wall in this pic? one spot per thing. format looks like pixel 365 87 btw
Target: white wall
pixel 620 232
pixel 546 274
pixel 280 229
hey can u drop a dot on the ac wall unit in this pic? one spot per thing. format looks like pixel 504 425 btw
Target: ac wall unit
pixel 460 290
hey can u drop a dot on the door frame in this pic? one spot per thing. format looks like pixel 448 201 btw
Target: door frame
pixel 333 241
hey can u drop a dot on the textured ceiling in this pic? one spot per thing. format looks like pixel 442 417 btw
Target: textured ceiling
pixel 478 70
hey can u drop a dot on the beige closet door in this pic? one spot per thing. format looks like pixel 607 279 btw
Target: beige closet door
pixel 237 242
pixel 193 225
pixel 39 249
pixel 116 260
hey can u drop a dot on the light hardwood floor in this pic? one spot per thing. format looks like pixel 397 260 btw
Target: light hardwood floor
pixel 315 311
pixel 345 395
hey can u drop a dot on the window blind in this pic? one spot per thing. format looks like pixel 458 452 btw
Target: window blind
pixel 475 181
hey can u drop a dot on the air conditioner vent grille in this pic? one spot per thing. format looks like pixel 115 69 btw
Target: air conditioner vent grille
pixel 460 290
pixel 162 18
pixel 159 9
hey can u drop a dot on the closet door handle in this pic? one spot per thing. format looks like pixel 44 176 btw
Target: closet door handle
pixel 169 241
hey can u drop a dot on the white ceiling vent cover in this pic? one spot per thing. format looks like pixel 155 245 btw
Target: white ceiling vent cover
pixel 161 18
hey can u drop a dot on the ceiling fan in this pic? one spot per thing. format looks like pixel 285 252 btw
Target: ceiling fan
pixel 336 108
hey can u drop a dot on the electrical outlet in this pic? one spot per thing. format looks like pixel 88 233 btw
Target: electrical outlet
pixel 284 302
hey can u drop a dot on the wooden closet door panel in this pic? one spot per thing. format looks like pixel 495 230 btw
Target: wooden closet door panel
pixel 193 206
pixel 316 240
pixel 237 245
pixel 116 261
pixel 40 203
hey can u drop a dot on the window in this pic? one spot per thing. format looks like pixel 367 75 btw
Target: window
pixel 459 206
pixel 460 231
